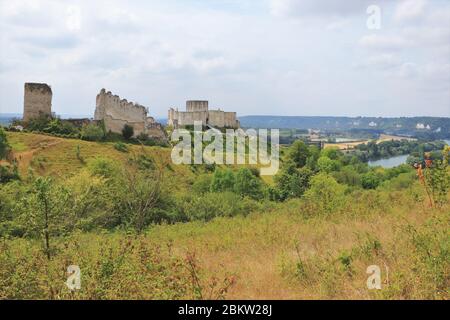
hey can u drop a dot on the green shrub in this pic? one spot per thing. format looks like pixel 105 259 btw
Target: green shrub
pixel 39 123
pixel 202 184
pixel 223 180
pixel 298 153
pixel 120 146
pixel 402 181
pixel 291 182
pixel 437 177
pixel 103 167
pixel 127 132
pixel 349 176
pixel 327 165
pixel 8 173
pixel 325 195
pixel 211 205
pixel 61 128
pixel 246 184
pixel 4 146
pixel 332 153
pixel 92 132
pixel 370 180
pixel 114 267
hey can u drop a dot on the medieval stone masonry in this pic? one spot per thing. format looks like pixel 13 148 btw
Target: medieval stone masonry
pixel 199 111
pixel 116 113
pixel 37 100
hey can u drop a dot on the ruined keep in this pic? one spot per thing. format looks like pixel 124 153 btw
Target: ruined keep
pixel 199 111
pixel 37 100
pixel 116 113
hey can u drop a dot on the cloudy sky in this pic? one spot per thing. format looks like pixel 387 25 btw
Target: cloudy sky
pixel 266 57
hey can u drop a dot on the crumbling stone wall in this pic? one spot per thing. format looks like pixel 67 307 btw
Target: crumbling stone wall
pixel 37 100
pixel 116 113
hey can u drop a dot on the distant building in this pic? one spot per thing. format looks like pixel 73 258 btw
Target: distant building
pixel 199 111
pixel 37 100
pixel 373 124
pixel 420 126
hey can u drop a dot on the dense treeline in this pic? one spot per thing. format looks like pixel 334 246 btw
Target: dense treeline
pixel 374 151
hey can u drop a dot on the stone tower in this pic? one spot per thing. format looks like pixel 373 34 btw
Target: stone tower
pixel 37 100
pixel 197 106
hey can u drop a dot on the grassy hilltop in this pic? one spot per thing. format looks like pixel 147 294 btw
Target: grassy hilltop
pixel 216 233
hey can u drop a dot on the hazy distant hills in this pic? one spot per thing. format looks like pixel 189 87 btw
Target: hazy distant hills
pixel 437 127
pixel 425 124
pixel 6 118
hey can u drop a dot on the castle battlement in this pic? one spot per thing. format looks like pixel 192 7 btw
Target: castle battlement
pixel 116 113
pixel 123 103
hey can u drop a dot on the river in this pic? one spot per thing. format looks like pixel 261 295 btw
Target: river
pixel 389 162
pixel 393 161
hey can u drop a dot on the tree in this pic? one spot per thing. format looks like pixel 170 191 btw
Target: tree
pixel 325 194
pixel 58 126
pixel 370 180
pixel 142 192
pixel 46 211
pixel 223 180
pixel 298 153
pixel 437 177
pixel 202 184
pixel 314 154
pixel 246 184
pixel 332 153
pixel 127 132
pixel 327 165
pixel 349 176
pixel 4 146
pixel 292 182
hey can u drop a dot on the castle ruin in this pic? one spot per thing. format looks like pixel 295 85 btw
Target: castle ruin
pixel 116 113
pixel 37 101
pixel 197 110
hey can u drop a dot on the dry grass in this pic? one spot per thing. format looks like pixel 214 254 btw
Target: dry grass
pixel 287 253
pixel 282 255
pixel 57 157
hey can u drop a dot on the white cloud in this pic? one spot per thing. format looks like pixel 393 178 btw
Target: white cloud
pixel 408 10
pixel 248 57
pixel 382 62
pixel 324 8
pixel 379 42
pixel 73 20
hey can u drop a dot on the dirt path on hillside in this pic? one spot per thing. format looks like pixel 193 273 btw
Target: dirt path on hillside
pixel 24 158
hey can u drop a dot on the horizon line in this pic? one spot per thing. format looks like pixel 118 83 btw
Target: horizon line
pixel 75 116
